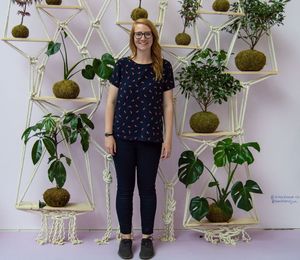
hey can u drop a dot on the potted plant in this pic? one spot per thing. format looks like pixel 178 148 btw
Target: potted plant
pixel 260 16
pixel 229 155
pixel 68 88
pixel 205 80
pixel 21 31
pixel 221 5
pixel 49 133
pixel 139 12
pixel 53 2
pixel 189 14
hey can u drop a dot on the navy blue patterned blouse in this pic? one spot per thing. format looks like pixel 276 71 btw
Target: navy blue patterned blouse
pixel 139 108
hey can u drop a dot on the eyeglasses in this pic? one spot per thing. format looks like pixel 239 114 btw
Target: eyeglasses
pixel 139 35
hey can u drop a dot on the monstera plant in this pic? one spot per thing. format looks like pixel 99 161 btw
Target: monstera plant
pixel 260 16
pixel 49 134
pixel 21 31
pixel 228 155
pixel 189 14
pixel 205 80
pixel 68 88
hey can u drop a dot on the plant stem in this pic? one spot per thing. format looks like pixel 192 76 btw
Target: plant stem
pixel 230 176
pixel 217 183
pixel 140 4
pixel 73 67
pixel 66 66
pixel 24 11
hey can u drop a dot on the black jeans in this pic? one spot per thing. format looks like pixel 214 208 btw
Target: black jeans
pixel 143 158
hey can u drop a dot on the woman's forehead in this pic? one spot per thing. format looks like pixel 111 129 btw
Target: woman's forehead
pixel 141 27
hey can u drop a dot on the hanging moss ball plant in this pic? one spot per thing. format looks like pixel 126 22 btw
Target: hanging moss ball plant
pixel 53 2
pixel 183 39
pixel 216 214
pixel 56 197
pixel 66 89
pixel 204 122
pixel 20 31
pixel 250 60
pixel 221 5
pixel 138 13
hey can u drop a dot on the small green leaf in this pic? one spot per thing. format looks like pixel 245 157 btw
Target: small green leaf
pixel 36 152
pixel 50 145
pixel 53 48
pixel 88 72
pixel 61 175
pixel 213 183
pixel 86 120
pixel 68 117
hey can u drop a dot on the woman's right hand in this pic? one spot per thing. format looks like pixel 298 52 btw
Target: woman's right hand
pixel 110 145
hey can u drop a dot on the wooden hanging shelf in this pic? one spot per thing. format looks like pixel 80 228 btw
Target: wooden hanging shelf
pixel 180 46
pixel 233 222
pixel 58 6
pixel 270 72
pixel 79 99
pixel 216 133
pixel 25 40
pixel 131 22
pixel 203 11
pixel 78 207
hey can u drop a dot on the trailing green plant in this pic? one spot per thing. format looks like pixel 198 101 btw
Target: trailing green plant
pixel 229 155
pixel 51 131
pixel 260 16
pixel 102 67
pixel 24 4
pixel 189 12
pixel 205 80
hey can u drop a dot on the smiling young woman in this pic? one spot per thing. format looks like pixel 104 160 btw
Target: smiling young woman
pixel 139 107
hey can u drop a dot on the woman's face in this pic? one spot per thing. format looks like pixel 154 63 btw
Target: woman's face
pixel 143 37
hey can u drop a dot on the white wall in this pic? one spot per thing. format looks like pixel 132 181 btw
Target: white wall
pixel 271 120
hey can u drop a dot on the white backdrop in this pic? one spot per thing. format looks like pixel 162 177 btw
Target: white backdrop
pixel 271 120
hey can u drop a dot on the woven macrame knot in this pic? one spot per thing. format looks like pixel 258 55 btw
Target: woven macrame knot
pixel 96 24
pixel 107 176
pixel 109 157
pixel 33 60
pixel 83 50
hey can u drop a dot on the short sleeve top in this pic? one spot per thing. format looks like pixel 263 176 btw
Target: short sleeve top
pixel 139 107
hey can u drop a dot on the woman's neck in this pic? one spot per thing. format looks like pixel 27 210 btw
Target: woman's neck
pixel 143 58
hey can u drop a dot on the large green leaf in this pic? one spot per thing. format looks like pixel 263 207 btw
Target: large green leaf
pixel 50 145
pixel 52 170
pixel 53 48
pixel 68 117
pixel 190 168
pixel 241 194
pixel 60 174
pixel 66 132
pixel 86 120
pixel 84 139
pixel 199 207
pixel 26 134
pixel 226 207
pixel 36 151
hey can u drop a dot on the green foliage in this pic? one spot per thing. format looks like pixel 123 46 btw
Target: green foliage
pixel 49 133
pixel 260 17
pixel 24 4
pixel 188 12
pixel 229 155
pixel 101 67
pixel 205 80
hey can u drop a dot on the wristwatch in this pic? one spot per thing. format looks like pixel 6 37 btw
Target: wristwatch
pixel 108 134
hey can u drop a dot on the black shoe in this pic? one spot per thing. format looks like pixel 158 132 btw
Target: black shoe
pixel 125 249
pixel 147 250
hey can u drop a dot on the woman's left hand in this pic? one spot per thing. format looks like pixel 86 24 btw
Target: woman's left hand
pixel 166 150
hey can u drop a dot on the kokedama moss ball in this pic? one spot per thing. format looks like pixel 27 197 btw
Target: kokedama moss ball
pixel 56 197
pixel 221 5
pixel 204 122
pixel 20 31
pixel 138 13
pixel 216 214
pixel 53 2
pixel 182 39
pixel 66 89
pixel 250 60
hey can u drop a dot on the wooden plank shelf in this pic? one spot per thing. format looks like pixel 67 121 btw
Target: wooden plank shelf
pixel 79 99
pixel 270 72
pixel 203 11
pixel 233 222
pixel 214 134
pixel 8 39
pixel 180 46
pixel 41 6
pixel 78 207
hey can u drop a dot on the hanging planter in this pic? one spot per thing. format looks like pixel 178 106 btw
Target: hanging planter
pixel 228 155
pixel 205 80
pixel 221 5
pixel 50 133
pixel 139 12
pixel 260 17
pixel 189 14
pixel 21 31
pixel 69 89
pixel 53 2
